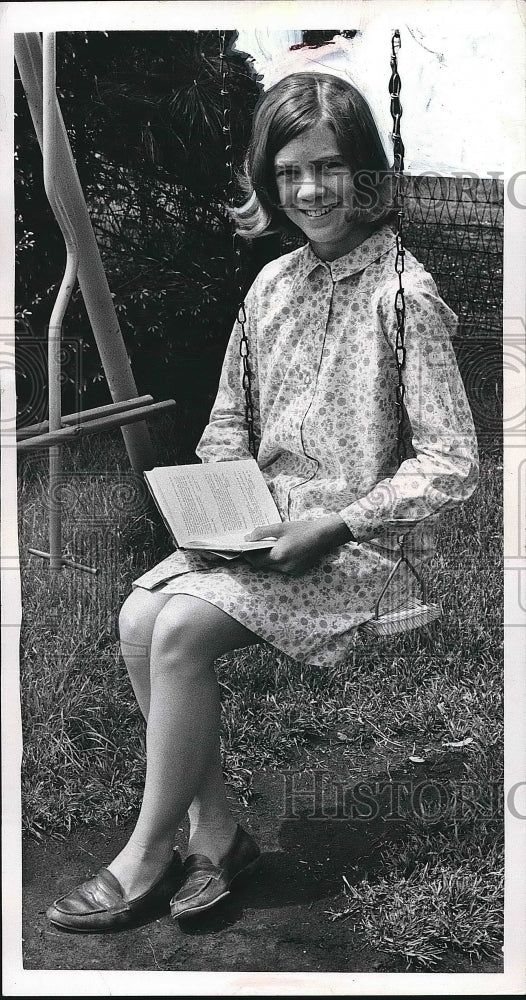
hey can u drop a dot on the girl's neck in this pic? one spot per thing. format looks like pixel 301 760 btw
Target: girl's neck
pixel 356 235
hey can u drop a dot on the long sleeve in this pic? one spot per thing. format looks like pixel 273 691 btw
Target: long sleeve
pixel 444 469
pixel 226 436
pixel 322 348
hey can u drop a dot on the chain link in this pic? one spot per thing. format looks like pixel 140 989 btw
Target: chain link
pixel 244 350
pixel 395 86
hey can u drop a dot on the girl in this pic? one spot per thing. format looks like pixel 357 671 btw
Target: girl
pixel 321 326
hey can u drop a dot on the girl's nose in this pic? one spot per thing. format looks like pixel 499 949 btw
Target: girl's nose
pixel 309 186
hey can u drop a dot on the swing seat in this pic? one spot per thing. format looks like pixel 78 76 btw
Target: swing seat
pixel 413 614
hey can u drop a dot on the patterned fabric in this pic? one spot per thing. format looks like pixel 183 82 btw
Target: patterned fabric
pixel 322 336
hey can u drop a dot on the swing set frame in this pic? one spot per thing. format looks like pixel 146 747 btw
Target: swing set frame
pixel 36 63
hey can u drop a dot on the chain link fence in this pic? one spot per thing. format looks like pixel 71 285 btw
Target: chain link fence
pixel 455 227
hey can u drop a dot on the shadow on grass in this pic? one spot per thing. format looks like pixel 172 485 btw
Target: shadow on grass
pixel 316 853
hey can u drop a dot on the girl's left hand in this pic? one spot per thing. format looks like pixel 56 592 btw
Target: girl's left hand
pixel 299 543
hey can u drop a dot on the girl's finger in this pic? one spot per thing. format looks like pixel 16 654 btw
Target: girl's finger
pixel 265 531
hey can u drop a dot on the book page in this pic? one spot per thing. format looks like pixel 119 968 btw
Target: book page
pixel 205 503
pixel 234 541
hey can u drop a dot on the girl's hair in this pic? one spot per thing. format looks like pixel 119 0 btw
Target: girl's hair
pixel 296 103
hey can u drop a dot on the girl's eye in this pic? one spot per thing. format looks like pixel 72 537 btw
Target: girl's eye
pixel 335 165
pixel 287 172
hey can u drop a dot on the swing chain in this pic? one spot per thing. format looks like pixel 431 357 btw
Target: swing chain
pixel 226 128
pixel 395 86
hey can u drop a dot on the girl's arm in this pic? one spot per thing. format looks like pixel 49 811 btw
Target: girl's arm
pixel 226 437
pixel 444 470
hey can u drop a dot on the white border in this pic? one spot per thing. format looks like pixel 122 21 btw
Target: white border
pixel 16 980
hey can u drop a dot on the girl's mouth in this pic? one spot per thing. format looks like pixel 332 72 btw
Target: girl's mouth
pixel 316 213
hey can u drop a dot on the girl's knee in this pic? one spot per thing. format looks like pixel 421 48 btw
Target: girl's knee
pixel 137 618
pixel 179 640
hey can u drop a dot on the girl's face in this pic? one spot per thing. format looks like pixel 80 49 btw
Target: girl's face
pixel 315 190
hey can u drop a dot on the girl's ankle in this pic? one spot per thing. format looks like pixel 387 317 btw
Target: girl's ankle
pixel 137 868
pixel 214 841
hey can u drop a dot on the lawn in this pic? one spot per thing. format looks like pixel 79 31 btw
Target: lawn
pixel 422 710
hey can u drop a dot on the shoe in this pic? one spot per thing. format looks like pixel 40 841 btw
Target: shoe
pixel 205 884
pixel 100 904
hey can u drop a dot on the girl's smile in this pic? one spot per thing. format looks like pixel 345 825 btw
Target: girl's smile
pixel 315 188
pixel 316 213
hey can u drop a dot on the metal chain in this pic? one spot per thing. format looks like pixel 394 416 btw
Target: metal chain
pixel 395 86
pixel 246 381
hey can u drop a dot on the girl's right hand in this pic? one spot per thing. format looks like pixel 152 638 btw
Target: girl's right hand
pixel 299 543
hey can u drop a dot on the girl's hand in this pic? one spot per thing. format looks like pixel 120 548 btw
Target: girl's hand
pixel 299 543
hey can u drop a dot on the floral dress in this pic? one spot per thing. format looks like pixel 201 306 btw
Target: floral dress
pixel 322 338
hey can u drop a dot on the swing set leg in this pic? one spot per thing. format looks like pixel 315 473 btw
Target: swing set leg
pixel 91 275
pixel 37 67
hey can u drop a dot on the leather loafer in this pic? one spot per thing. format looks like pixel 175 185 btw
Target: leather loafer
pixel 205 883
pixel 100 904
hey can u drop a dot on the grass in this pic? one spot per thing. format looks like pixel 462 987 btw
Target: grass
pixel 422 706
pixel 434 896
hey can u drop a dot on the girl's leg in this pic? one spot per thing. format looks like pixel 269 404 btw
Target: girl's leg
pixel 212 826
pixel 182 736
pixel 136 624
pixel 209 814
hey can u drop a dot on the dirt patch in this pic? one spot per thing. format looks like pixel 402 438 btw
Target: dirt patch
pixel 277 920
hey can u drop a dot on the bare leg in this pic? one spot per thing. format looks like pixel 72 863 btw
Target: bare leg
pixel 182 737
pixel 211 825
pixel 136 624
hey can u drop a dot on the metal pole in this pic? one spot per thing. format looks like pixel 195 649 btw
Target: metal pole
pixel 91 275
pixel 63 297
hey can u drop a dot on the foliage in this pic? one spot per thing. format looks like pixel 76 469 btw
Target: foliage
pixel 451 899
pixel 143 114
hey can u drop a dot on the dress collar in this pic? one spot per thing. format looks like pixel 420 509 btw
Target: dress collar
pixel 356 260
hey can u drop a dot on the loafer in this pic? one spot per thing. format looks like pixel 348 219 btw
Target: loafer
pixel 100 904
pixel 205 884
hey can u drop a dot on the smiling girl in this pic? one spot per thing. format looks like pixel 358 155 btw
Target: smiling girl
pixel 321 327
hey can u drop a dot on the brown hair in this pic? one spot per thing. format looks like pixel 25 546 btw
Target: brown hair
pixel 296 103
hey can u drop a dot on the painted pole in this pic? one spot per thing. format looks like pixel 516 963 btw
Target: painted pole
pixel 49 128
pixel 91 275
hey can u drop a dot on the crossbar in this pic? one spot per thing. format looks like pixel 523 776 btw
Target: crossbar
pixel 97 424
pixel 84 415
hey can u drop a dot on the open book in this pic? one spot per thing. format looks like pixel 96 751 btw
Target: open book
pixel 213 506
